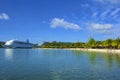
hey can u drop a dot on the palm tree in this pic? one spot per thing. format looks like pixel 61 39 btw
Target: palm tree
pixel 107 43
pixel 115 43
pixel 91 43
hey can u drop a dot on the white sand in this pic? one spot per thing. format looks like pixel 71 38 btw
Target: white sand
pixel 98 50
pixel 95 50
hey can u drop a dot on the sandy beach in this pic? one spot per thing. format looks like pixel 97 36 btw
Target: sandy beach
pixel 95 50
pixel 98 50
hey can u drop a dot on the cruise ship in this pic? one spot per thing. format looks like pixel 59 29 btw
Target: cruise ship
pixel 18 44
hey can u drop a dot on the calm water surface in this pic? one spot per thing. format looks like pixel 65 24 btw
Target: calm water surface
pixel 43 64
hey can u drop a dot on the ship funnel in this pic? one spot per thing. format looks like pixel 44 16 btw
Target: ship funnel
pixel 27 41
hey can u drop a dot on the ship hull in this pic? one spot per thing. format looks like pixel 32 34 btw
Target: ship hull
pixel 18 44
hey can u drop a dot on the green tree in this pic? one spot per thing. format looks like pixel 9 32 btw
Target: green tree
pixel 98 44
pixel 117 42
pixel 0 46
pixel 91 43
pixel 108 43
pixel 37 46
pixel 114 44
pixel 119 46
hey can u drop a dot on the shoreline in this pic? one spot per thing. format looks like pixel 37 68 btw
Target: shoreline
pixel 93 50
pixel 116 51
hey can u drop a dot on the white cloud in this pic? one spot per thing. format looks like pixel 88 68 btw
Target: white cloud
pixel 110 1
pixel 101 1
pixel 94 14
pixel 115 12
pixel 114 1
pixel 105 13
pixel 97 26
pixel 56 22
pixel 117 33
pixel 101 28
pixel 105 32
pixel 85 5
pixel 4 16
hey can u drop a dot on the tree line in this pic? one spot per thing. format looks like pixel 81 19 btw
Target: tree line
pixel 91 43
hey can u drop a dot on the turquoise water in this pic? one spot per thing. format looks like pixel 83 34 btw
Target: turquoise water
pixel 43 64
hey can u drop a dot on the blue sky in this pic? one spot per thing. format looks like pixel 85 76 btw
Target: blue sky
pixel 59 20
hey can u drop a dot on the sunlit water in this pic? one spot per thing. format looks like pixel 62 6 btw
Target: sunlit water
pixel 43 64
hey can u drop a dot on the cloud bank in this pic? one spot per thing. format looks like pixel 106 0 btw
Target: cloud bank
pixel 56 22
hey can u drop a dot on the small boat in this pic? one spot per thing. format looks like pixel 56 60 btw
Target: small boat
pixel 18 44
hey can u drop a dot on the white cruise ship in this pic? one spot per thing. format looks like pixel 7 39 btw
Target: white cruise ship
pixel 18 44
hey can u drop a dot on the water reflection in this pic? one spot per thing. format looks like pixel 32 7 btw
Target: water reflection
pixel 42 64
pixel 78 53
pixel 95 57
pixel 109 59
pixel 92 57
pixel 117 59
pixel 9 54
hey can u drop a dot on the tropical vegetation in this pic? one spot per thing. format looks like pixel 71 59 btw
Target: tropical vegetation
pixel 91 43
